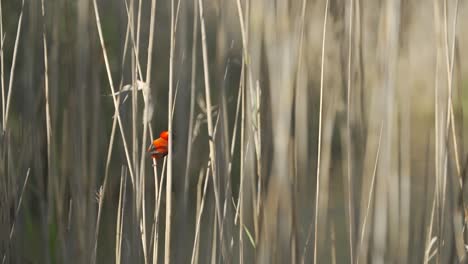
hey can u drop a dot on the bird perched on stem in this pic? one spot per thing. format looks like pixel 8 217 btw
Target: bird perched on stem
pixel 160 146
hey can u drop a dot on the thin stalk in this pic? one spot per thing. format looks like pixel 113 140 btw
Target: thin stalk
pixel 132 37
pixel 240 203
pixel 12 229
pixel 150 43
pixel 111 86
pixel 214 242
pixel 258 151
pixel 167 245
pixel 96 232
pixel 2 66
pixel 146 119
pixel 322 69
pixel 199 201
pixel 210 120
pixel 158 204
pixel 156 199
pixel 13 64
pixel 196 241
pixel 450 63
pixel 47 96
pixel 348 130
pixel 300 87
pixel 236 119
pixel 429 232
pixel 158 207
pixel 114 122
pixel 333 242
pixel 371 192
pixel 192 93
pixel 120 216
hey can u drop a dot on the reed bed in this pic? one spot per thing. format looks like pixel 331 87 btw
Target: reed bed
pixel 301 131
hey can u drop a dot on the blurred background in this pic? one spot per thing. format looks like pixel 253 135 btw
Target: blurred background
pixel 303 131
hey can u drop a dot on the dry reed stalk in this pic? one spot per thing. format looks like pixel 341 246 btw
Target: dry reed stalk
pixel 333 243
pixel 210 122
pixel 100 198
pixel 348 135
pixel 156 215
pixel 300 141
pixel 386 224
pixel 429 229
pixel 436 123
pixel 111 145
pixel 236 121
pixel 135 51
pixel 196 241
pixel 214 241
pixel 240 201
pixel 134 110
pixel 369 201
pixel 120 215
pixel 457 218
pixel 158 204
pixel 317 191
pixel 440 140
pixel 46 88
pixel 156 195
pixel 147 114
pixel 449 59
pixel 200 188
pixel 111 86
pixel 2 65
pixel 167 243
pixel 13 65
pixel 192 95
pixel 255 101
pixel 12 228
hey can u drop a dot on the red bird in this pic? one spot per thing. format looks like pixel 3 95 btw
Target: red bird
pixel 159 147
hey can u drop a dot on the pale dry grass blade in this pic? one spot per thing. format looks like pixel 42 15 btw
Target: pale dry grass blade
pixel 111 86
pixel 156 214
pixel 333 242
pixel 134 47
pixel 120 216
pixel 147 116
pixel 449 59
pixel 167 243
pixel 371 195
pixel 193 76
pixel 46 88
pixel 210 121
pixel 109 156
pixel 100 200
pixel 386 224
pixel 13 64
pixel 441 130
pixel 2 65
pixel 199 201
pixel 149 59
pixel 430 241
pixel 196 241
pixel 18 207
pixel 348 130
pixel 214 241
pixel 157 190
pixel 240 201
pixel 317 191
